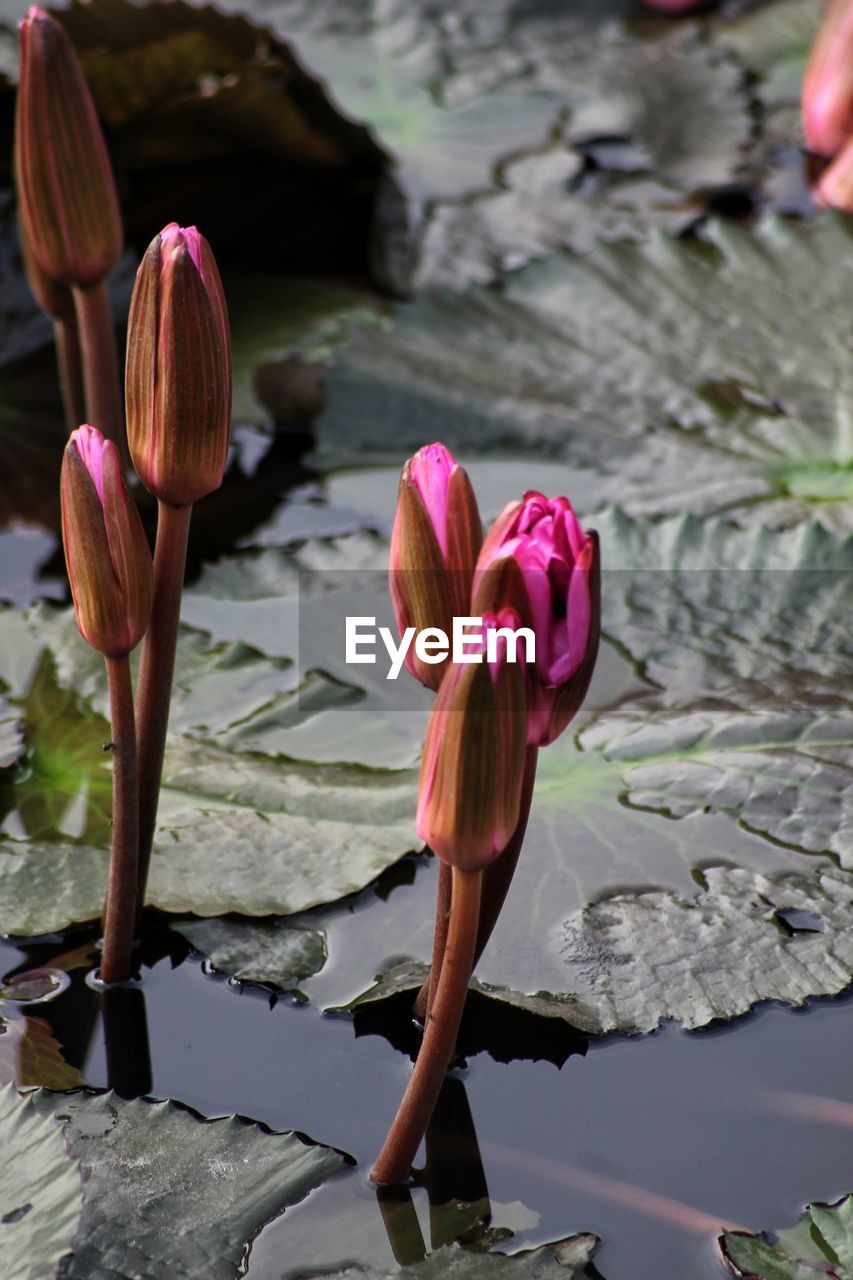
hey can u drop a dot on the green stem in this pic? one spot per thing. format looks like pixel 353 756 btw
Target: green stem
pixel 154 689
pixel 413 1116
pixel 497 879
pixel 67 341
pixel 120 906
pixel 100 365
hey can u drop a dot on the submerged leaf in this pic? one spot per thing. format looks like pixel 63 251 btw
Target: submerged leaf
pixel 31 1055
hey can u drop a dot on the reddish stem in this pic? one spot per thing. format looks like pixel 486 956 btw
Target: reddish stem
pixel 99 356
pixel 154 688
pixel 413 1116
pixel 496 881
pixel 67 341
pixel 120 906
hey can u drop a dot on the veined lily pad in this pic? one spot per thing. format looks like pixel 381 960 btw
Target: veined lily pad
pixel 457 99
pixel 559 1261
pixel 671 376
pixel 286 954
pixel 821 1245
pixel 41 1197
pixel 243 826
pixel 162 1189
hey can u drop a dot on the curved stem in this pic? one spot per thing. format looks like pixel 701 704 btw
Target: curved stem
pixel 99 355
pixel 120 906
pixel 154 688
pixel 426 996
pixel 413 1116
pixel 496 881
pixel 67 341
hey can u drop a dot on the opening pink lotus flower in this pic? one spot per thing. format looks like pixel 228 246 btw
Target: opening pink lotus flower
pixel 538 559
pixel 472 766
pixel 63 172
pixel 434 545
pixel 178 374
pixel 106 551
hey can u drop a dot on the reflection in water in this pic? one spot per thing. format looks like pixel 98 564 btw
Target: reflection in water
pixel 453 1177
pixel 126 1041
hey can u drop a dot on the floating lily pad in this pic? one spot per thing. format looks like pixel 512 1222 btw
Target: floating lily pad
pixel 821 1245
pixel 671 376
pixel 41 1198
pixel 162 1189
pixel 243 826
pixel 563 1260
pixel 11 737
pixel 632 960
pixel 274 954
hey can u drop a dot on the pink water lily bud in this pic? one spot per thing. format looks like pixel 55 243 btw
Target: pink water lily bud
pixel 538 559
pixel 106 552
pixel 434 545
pixel 178 370
pixel 473 761
pixel 63 173
pixel 828 81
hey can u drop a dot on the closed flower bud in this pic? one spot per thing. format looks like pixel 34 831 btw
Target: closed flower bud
pixel 106 552
pixel 178 371
pixel 434 545
pixel 537 559
pixel 65 181
pixel 56 300
pixel 828 82
pixel 471 773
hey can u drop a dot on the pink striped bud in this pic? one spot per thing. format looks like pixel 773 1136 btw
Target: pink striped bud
pixel 63 173
pixel 106 552
pixel 434 545
pixel 537 559
pixel 828 82
pixel 471 772
pixel 178 371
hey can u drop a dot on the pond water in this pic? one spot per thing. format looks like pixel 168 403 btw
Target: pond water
pixel 653 1142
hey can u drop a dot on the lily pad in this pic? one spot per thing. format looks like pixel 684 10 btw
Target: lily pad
pixel 671 376
pixel 242 826
pixel 467 102
pixel 41 1198
pixel 562 1260
pixel 274 954
pixel 821 1245
pixel 632 960
pixel 162 1189
pixel 11 737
